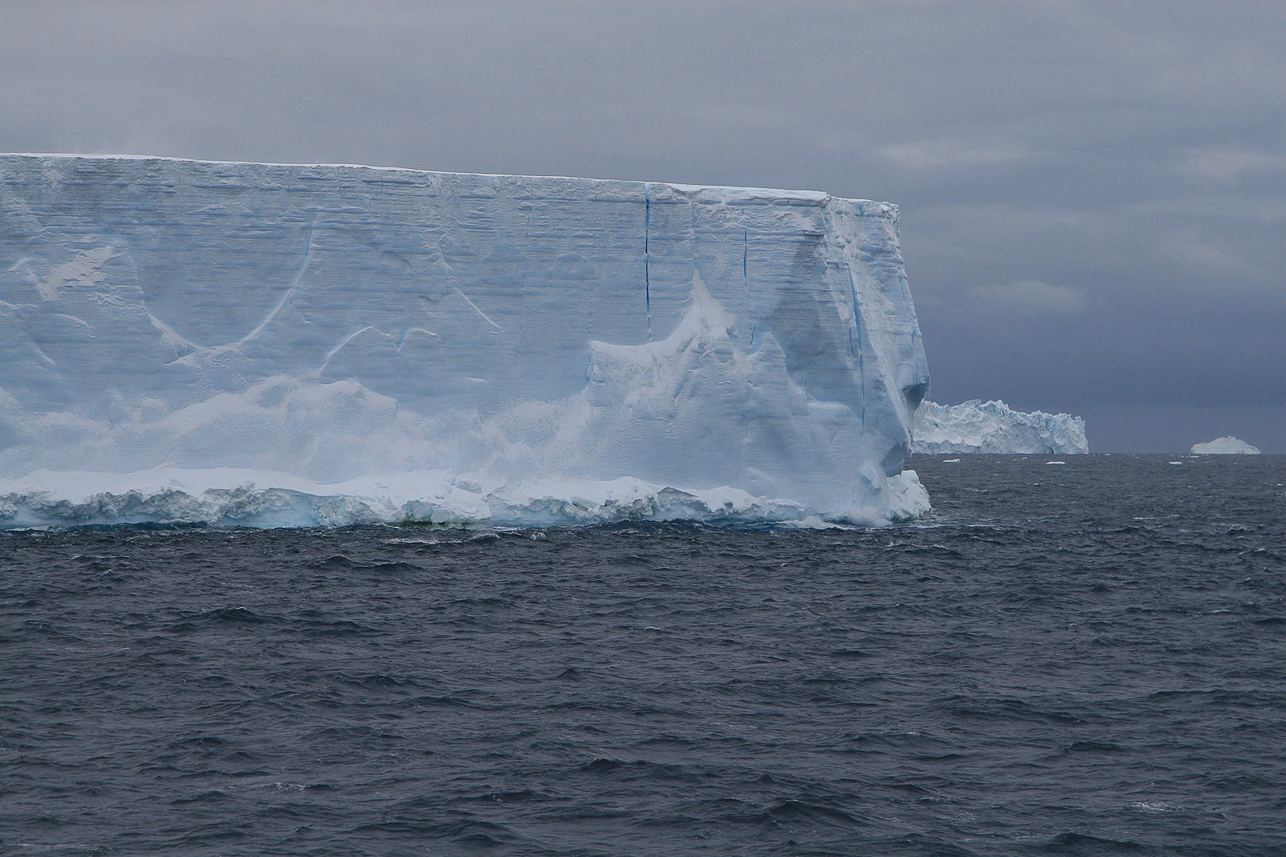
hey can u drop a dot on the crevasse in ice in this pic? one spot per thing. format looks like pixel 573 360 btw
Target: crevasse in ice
pixel 303 344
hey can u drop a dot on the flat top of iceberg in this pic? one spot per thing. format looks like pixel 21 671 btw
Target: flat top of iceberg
pixel 729 193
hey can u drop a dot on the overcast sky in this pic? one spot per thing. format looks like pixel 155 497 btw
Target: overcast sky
pixel 1093 193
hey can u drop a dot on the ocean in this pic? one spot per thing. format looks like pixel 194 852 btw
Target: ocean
pixel 1081 655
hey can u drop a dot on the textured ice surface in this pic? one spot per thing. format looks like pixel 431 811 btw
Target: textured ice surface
pixel 994 427
pixel 289 345
pixel 1226 445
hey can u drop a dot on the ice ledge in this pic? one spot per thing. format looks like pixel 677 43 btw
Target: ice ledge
pixel 243 498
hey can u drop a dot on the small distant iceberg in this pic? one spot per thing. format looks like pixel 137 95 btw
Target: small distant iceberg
pixel 1226 445
pixel 993 427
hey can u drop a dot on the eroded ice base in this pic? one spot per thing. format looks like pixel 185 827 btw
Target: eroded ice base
pixel 233 497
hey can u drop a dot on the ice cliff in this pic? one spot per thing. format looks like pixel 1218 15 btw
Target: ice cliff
pixel 994 427
pixel 291 345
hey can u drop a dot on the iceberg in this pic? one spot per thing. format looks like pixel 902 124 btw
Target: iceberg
pixel 993 427
pixel 1226 445
pixel 297 345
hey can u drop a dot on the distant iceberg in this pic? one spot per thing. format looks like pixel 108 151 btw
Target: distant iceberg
pixel 993 427
pixel 278 345
pixel 1227 445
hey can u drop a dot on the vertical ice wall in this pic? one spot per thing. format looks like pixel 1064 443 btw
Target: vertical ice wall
pixel 993 427
pixel 323 326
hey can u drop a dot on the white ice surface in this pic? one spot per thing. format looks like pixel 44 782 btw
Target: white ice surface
pixel 292 345
pixel 993 427
pixel 1226 445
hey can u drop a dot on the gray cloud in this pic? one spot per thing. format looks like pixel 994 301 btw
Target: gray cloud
pixel 1128 158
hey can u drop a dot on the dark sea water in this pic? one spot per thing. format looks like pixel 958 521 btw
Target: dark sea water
pixel 1081 659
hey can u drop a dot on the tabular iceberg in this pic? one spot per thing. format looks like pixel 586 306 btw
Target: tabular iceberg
pixel 976 426
pixel 1226 445
pixel 274 345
